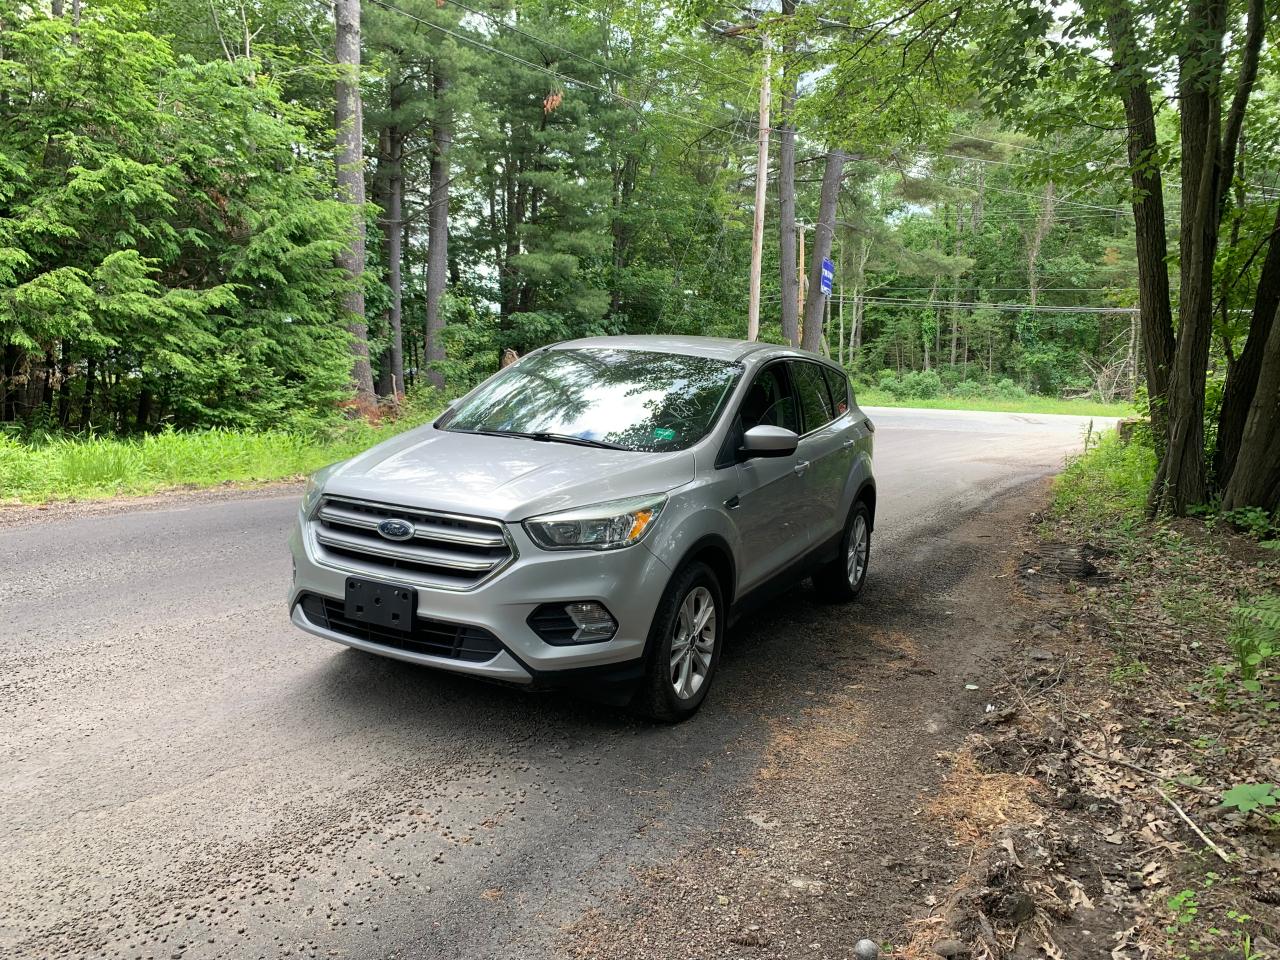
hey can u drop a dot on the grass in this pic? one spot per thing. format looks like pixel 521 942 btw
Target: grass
pixel 1108 483
pixel 869 396
pixel 96 467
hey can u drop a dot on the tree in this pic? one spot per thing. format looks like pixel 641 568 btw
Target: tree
pixel 824 231
pixel 349 129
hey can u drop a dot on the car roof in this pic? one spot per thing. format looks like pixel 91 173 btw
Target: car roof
pixel 719 348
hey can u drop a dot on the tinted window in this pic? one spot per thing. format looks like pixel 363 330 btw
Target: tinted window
pixel 815 400
pixel 769 401
pixel 635 399
pixel 838 383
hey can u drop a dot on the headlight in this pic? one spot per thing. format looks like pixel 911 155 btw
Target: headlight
pixel 315 487
pixel 605 526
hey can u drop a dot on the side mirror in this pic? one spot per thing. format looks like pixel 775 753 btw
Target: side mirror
pixel 767 441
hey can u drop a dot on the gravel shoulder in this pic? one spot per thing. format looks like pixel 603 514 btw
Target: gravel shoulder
pixel 837 837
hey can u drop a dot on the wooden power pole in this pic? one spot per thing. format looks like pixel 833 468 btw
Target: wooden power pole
pixel 762 182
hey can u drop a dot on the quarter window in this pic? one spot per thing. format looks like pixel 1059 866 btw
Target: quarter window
pixel 839 385
pixel 815 399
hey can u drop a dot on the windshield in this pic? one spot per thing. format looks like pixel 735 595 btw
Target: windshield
pixel 632 399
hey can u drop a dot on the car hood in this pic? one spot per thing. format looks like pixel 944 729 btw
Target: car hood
pixel 506 478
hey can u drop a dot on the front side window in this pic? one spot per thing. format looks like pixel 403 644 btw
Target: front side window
pixel 629 399
pixel 769 401
pixel 815 400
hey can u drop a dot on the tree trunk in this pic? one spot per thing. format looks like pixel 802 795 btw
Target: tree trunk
pixel 391 201
pixel 86 401
pixel 350 175
pixel 438 230
pixel 1255 481
pixel 1242 381
pixel 1154 308
pixel 1181 479
pixel 788 275
pixel 823 232
pixel 1044 223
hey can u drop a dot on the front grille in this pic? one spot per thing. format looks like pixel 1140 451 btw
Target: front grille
pixel 436 638
pixel 446 551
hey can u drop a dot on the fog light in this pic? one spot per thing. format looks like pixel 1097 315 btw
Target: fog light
pixel 593 621
pixel 580 621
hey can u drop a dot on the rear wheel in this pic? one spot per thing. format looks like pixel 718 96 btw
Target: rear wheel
pixel 684 646
pixel 842 579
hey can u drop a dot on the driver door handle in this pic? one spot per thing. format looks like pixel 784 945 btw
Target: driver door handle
pixel 847 444
pixel 801 467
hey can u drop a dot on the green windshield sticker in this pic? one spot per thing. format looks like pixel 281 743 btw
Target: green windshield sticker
pixel 663 433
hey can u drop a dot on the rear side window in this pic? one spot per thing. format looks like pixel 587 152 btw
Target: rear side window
pixel 838 383
pixel 815 400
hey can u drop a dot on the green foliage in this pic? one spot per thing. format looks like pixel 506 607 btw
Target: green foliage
pixel 92 467
pixel 1247 797
pixel 1255 638
pixel 1108 483
pixel 167 221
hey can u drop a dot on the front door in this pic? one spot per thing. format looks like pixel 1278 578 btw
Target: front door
pixel 767 513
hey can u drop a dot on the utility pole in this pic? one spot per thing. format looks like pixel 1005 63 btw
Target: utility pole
pixel 762 181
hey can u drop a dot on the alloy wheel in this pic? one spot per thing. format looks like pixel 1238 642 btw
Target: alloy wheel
pixel 693 643
pixel 859 547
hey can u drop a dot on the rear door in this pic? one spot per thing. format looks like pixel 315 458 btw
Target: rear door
pixel 825 450
pixel 771 531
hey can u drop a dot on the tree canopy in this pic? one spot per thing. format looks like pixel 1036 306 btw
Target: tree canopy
pixel 1065 199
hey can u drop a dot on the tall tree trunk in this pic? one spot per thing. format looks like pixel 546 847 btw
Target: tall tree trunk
pixel 788 276
pixel 1255 481
pixel 1154 309
pixel 1242 381
pixel 64 387
pixel 438 228
pixel 823 233
pixel 86 401
pixel 350 175
pixel 1181 479
pixel 390 184
pixel 380 196
pixel 1044 223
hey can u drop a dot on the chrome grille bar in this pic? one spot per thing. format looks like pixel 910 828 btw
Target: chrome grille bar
pixel 446 551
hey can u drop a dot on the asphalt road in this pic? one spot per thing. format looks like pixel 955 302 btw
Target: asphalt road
pixel 184 774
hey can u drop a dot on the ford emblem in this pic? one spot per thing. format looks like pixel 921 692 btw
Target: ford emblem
pixel 396 529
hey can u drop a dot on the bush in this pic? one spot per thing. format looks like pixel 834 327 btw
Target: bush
pixel 1006 389
pixel 922 385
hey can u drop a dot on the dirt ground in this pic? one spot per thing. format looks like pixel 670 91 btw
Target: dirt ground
pixel 986 813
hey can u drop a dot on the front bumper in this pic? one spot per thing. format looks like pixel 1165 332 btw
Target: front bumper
pixel 629 582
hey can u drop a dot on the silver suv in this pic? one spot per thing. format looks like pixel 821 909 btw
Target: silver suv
pixel 599 511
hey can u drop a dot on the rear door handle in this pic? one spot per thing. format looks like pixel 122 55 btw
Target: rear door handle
pixel 801 467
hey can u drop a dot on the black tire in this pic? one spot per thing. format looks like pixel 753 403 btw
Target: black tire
pixel 833 581
pixel 657 698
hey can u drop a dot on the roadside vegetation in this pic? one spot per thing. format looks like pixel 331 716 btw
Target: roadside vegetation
pixel 930 390
pixel 218 217
pixel 1173 697
pixel 56 467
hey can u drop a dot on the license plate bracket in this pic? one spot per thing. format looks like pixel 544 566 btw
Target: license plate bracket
pixel 381 604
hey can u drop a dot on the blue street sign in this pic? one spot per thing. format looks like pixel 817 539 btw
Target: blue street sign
pixel 828 277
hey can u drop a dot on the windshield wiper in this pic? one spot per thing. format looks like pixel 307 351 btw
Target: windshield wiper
pixel 546 437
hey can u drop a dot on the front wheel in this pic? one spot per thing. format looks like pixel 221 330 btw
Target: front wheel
pixel 842 579
pixel 684 646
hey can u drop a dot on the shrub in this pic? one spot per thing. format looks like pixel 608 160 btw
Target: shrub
pixel 1006 389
